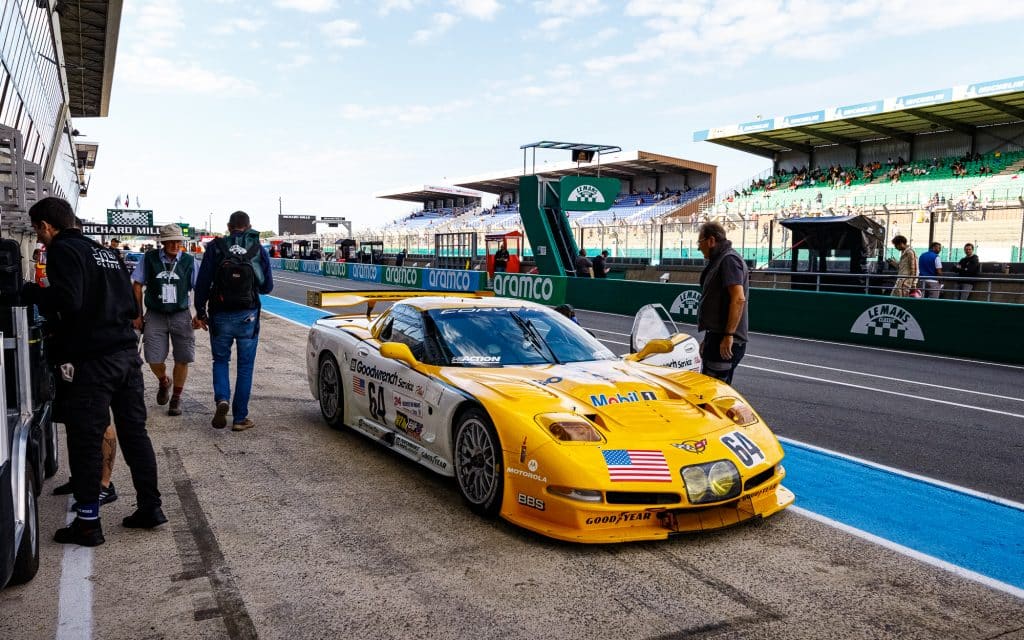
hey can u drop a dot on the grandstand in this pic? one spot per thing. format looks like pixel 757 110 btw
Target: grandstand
pixel 654 187
pixel 956 148
pixel 439 204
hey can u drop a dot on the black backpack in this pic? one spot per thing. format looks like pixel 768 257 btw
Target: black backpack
pixel 235 286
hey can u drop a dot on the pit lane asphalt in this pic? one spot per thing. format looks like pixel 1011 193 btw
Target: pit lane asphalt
pixel 292 530
pixel 950 419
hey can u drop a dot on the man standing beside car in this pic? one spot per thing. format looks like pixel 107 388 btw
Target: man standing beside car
pixel 168 275
pixel 722 313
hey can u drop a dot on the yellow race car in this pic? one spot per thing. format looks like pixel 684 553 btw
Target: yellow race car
pixel 540 423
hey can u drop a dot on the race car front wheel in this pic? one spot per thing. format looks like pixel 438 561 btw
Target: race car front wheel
pixel 479 469
pixel 26 562
pixel 332 402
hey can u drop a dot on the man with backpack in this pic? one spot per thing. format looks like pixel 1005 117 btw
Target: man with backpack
pixel 234 271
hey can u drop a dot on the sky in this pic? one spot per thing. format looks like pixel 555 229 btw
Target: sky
pixel 312 106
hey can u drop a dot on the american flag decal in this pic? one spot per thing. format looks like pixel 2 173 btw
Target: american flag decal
pixel 636 465
pixel 359 385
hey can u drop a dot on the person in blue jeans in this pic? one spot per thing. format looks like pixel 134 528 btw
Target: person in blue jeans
pixel 234 271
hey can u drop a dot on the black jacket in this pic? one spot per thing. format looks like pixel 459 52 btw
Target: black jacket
pixel 89 304
pixel 969 266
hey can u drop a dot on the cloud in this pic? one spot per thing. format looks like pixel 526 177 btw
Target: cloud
pixel 414 114
pixel 295 62
pixel 439 24
pixel 731 32
pixel 553 24
pixel 308 6
pixel 387 6
pixel 569 8
pixel 481 9
pixel 238 24
pixel 340 33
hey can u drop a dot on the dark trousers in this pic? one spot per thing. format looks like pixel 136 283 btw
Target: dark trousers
pixel 714 366
pixel 111 383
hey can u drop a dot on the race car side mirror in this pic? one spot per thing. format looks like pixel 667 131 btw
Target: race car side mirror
pixel 397 351
pixel 656 345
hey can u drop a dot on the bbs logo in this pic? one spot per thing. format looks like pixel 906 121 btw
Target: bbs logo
pixel 530 501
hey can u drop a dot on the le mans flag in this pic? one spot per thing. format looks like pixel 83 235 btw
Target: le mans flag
pixel 635 465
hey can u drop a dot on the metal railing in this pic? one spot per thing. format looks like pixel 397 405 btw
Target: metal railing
pixel 950 287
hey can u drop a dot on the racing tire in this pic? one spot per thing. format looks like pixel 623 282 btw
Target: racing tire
pixel 331 392
pixel 479 463
pixel 26 562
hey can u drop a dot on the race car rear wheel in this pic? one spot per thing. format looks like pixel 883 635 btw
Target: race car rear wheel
pixel 332 401
pixel 26 562
pixel 479 467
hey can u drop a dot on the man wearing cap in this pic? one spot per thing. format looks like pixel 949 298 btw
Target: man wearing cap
pixel 168 275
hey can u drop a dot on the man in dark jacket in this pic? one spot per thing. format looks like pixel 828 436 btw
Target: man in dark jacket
pixel 89 307
pixel 233 316
pixel 968 267
pixel 722 313
pixel 600 268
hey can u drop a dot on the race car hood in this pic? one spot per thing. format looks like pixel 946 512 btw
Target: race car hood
pixel 645 403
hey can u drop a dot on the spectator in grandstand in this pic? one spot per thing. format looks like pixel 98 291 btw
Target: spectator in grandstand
pixel 929 268
pixel 600 268
pixel 722 314
pixel 501 259
pixel 584 268
pixel 968 267
pixel 906 268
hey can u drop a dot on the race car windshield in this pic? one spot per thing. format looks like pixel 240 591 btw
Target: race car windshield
pixel 499 336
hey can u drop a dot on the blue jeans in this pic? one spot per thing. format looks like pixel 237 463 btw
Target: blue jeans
pixel 243 328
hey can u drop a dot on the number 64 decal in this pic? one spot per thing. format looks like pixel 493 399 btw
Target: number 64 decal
pixel 744 448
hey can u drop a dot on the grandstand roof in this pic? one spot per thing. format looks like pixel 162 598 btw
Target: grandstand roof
pixel 963 109
pixel 89 31
pixel 426 193
pixel 624 164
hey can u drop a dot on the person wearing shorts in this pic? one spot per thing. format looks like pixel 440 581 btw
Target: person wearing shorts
pixel 168 275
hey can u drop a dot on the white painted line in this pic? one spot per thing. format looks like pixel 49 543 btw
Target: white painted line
pixel 843 344
pixel 625 344
pixel 888 378
pixel 74 608
pixel 887 391
pixel 916 555
pixel 906 474
pixel 295 322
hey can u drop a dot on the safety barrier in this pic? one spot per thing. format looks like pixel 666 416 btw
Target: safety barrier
pixel 982 330
pixel 407 277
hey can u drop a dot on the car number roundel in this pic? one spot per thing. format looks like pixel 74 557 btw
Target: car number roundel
pixel 745 449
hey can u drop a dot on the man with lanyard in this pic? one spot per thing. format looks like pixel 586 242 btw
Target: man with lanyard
pixel 929 267
pixel 168 275
pixel 722 313
pixel 230 321
pixel 89 307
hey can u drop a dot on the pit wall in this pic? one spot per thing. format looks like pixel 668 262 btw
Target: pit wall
pixel 977 330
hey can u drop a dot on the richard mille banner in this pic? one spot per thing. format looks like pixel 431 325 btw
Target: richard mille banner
pixel 130 216
pixel 120 230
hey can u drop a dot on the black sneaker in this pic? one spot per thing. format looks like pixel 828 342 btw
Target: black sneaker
pixel 107 495
pixel 175 407
pixel 145 519
pixel 220 417
pixel 87 533
pixel 64 489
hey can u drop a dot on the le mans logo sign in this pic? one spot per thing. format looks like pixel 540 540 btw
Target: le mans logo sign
pixel 584 193
pixel 888 321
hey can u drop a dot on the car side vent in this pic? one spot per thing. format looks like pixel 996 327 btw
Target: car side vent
pixel 759 479
pixel 641 497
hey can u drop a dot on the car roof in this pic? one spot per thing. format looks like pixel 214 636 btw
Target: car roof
pixel 447 302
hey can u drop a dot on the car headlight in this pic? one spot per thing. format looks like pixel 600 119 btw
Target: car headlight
pixel 735 410
pixel 711 481
pixel 569 428
pixel 583 495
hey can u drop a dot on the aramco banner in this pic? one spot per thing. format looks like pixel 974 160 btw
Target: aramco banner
pixel 585 193
pixel 542 289
pixel 453 280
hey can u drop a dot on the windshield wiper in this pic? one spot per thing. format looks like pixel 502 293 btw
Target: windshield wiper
pixel 533 335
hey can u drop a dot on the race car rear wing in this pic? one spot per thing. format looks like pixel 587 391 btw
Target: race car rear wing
pixel 371 297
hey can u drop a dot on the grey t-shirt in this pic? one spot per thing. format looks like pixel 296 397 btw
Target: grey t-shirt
pixel 714 306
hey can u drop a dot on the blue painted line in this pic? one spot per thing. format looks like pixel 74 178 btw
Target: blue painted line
pixel 292 310
pixel 962 529
pixel 959 528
